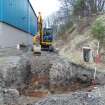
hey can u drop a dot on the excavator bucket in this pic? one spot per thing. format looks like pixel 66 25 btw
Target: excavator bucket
pixel 36 45
pixel 37 49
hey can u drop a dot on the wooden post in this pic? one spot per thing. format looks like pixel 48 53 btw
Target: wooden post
pixel 96 62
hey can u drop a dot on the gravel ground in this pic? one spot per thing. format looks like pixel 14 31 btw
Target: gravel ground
pixel 96 97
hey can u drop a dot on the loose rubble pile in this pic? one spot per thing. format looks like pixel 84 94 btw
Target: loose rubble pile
pixel 25 76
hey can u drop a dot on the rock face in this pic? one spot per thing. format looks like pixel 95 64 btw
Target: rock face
pixel 60 72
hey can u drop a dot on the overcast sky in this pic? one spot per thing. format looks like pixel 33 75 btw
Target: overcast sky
pixel 46 7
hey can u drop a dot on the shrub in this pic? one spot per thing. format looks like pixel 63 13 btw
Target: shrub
pixel 98 29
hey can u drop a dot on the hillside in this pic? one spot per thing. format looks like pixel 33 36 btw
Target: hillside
pixel 81 36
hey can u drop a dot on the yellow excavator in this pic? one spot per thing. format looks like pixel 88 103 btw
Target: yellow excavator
pixel 44 39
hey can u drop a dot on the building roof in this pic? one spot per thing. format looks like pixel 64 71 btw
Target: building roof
pixel 19 14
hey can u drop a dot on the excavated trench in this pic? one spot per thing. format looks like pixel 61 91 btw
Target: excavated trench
pixel 41 76
pixel 41 87
pixel 42 84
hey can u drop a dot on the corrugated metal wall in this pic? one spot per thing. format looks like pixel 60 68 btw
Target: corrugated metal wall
pixel 18 13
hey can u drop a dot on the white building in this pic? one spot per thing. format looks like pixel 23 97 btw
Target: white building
pixel 10 36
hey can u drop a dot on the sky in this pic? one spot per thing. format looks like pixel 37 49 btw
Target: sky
pixel 46 7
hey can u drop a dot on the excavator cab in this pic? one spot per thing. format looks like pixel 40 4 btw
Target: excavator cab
pixel 48 35
pixel 47 39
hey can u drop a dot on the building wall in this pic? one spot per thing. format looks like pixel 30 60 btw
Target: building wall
pixel 19 13
pixel 10 36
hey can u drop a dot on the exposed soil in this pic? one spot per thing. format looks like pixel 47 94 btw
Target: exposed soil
pixel 40 87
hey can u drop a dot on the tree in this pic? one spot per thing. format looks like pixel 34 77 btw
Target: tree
pixel 98 30
pixel 79 7
pixel 88 7
pixel 96 5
